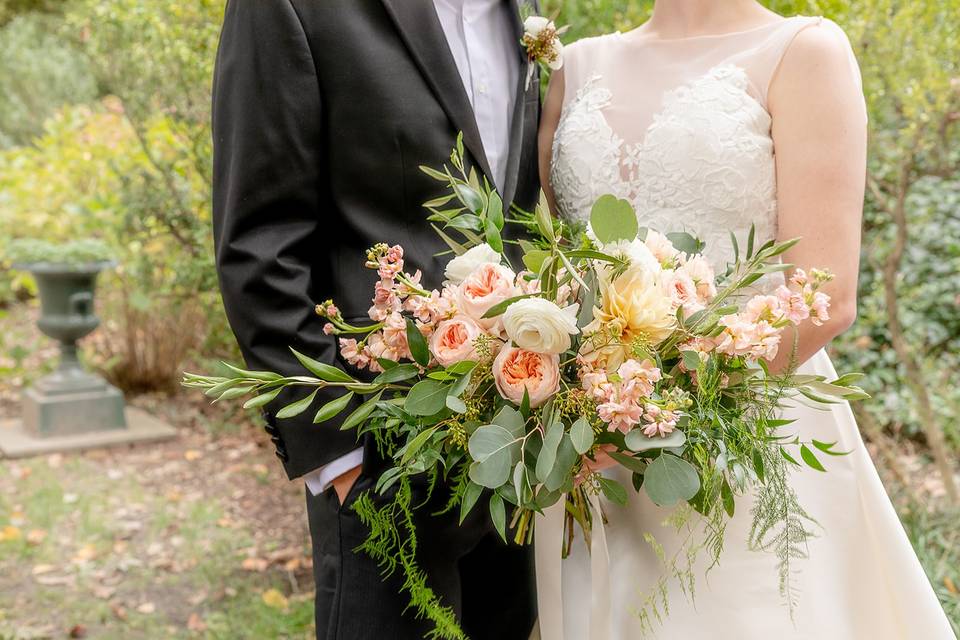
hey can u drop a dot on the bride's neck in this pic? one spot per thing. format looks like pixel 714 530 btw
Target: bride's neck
pixel 685 18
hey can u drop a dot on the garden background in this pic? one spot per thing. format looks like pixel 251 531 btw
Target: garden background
pixel 104 132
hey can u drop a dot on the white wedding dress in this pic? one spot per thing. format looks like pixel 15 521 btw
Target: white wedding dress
pixel 680 129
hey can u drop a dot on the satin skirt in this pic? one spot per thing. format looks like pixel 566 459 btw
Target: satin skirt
pixel 861 581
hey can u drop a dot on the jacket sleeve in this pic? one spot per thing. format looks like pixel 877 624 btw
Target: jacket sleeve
pixel 269 209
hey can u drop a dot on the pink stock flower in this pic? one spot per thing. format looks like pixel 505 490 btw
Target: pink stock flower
pixel 454 340
pixel 683 290
pixel 743 337
pixel 517 370
pixel 352 354
pixel 660 422
pixel 703 276
pixel 638 378
pixel 622 414
pixel 390 263
pixel 596 383
pixel 328 329
pixel 395 336
pixel 661 248
pixel 792 305
pixel 819 308
pixel 763 307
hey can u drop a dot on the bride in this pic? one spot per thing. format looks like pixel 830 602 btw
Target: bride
pixel 712 117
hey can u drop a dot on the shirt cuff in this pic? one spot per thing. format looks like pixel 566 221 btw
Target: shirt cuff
pixel 319 479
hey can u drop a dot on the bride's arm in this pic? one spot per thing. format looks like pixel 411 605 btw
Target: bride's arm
pixel 549 119
pixel 819 133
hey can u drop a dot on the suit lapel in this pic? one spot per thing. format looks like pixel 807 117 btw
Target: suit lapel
pixel 517 123
pixel 419 26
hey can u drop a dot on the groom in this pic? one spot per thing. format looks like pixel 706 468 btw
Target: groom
pixel 323 112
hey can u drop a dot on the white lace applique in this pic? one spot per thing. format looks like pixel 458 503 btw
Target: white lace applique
pixel 704 165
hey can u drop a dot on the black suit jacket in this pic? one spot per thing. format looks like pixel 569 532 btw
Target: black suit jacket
pixel 323 110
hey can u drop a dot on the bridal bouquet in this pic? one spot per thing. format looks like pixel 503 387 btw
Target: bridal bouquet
pixel 511 382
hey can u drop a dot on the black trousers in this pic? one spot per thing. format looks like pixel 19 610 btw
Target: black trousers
pixel 489 584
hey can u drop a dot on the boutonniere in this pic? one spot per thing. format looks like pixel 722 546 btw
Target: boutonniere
pixel 541 40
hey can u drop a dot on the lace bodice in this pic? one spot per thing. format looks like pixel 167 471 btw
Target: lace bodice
pixel 679 128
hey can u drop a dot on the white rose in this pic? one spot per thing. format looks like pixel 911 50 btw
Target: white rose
pixel 462 266
pixel 536 324
pixel 533 25
pixel 633 251
pixel 557 62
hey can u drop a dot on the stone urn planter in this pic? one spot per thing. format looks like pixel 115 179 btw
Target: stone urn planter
pixel 70 400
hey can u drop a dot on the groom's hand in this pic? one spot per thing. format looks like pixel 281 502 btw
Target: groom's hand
pixel 344 482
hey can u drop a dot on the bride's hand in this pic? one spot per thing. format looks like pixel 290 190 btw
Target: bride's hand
pixel 601 461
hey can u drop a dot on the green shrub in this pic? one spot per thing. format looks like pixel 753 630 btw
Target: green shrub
pixel 39 72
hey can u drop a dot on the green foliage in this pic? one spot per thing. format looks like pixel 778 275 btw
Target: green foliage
pixel 76 252
pixel 39 72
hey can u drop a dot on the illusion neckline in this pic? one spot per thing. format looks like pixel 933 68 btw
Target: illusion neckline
pixel 631 35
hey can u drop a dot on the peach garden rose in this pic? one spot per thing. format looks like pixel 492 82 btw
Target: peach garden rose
pixel 489 284
pixel 454 340
pixel 516 370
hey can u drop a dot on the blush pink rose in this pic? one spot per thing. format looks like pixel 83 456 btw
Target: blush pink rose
pixel 453 340
pixel 487 285
pixel 516 370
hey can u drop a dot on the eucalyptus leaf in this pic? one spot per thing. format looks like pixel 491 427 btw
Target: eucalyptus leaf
pixel 426 398
pixel 613 220
pixel 498 514
pixel 613 491
pixel 399 373
pixel 548 453
pixel 669 479
pixel 470 496
pixel 566 458
pixel 636 440
pixel 581 435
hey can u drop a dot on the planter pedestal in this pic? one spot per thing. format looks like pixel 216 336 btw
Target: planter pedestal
pixel 71 408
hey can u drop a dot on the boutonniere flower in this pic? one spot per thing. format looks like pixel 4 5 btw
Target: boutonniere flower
pixel 541 40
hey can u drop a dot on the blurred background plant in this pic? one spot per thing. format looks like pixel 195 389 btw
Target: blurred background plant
pixel 104 133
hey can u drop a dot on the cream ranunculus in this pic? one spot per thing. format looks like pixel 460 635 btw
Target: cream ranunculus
pixel 537 324
pixel 633 306
pixel 463 265
pixel 488 285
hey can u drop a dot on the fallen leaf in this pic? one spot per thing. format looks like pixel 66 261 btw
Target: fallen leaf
pixel 70 498
pixel 255 564
pixel 950 585
pixel 78 631
pixel 40 569
pixel 55 460
pixel 85 553
pixel 119 611
pixel 10 533
pixel 35 537
pixel 18 518
pixel 274 599
pixel 104 593
pixel 196 623
pixel 192 454
pixel 147 608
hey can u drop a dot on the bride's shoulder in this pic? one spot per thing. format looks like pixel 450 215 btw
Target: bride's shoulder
pixel 818 43
pixel 592 45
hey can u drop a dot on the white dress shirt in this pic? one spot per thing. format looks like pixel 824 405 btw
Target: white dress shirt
pixel 481 38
